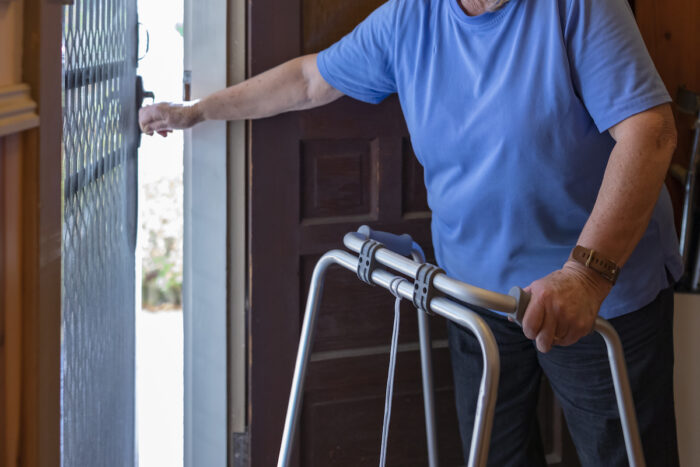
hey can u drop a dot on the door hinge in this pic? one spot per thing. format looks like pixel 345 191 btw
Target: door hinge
pixel 240 443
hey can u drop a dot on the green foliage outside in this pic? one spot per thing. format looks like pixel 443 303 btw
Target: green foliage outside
pixel 161 231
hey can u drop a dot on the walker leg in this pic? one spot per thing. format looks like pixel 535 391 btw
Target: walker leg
pixel 623 393
pixel 428 392
pixel 488 388
pixel 426 361
pixel 305 342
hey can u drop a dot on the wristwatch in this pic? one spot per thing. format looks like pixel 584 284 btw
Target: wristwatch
pixel 607 268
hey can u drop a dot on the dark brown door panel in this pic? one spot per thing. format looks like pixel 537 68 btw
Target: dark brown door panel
pixel 316 175
pixel 344 408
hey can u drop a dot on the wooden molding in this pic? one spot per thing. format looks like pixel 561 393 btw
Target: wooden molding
pixel 17 109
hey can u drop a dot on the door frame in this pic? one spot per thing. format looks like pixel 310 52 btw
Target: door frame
pixel 237 158
pixel 214 299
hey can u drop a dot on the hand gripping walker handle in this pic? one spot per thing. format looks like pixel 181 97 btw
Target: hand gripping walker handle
pixel 522 299
pixel 618 369
pixel 401 244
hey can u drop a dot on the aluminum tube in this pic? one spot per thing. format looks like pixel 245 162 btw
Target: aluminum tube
pixel 305 342
pixel 428 390
pixel 489 382
pixel 354 241
pixel 442 306
pixel 494 301
pixel 695 283
pixel 427 375
pixel 488 388
pixel 625 403
pixel 459 290
pixel 687 222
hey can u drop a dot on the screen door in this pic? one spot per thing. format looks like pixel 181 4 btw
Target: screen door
pixel 99 233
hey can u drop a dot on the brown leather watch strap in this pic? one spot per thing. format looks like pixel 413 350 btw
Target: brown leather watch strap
pixel 607 268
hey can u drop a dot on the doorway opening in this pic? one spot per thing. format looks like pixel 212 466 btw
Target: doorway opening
pixel 159 264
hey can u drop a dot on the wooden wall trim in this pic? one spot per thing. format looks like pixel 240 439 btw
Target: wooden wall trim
pixel 17 109
pixel 41 238
pixel 10 299
pixel 3 353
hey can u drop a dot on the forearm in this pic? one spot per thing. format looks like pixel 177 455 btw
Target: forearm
pixel 633 179
pixel 293 85
pixel 565 303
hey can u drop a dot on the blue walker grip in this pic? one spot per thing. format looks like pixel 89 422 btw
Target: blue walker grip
pixel 401 244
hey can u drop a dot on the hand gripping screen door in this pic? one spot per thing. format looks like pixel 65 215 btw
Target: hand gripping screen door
pixel 99 232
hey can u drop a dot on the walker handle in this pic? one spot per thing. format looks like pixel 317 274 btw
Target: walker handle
pixel 401 244
pixel 523 299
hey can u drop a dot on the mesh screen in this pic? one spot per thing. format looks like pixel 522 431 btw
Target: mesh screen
pixel 97 397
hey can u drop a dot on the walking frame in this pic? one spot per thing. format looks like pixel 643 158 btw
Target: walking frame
pixel 391 251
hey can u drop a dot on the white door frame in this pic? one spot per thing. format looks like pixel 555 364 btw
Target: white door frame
pixel 214 240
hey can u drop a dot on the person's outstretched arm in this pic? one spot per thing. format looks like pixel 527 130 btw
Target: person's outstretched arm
pixel 293 85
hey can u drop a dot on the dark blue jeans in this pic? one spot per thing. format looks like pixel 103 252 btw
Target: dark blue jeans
pixel 580 377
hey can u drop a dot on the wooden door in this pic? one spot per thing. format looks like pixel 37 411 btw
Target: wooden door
pixel 315 176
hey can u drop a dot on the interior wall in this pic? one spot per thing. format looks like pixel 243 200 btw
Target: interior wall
pixel 10 42
pixel 30 245
pixel 10 299
pixel 10 245
pixel 671 32
pixel 672 35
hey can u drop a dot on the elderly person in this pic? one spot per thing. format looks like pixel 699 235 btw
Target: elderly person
pixel 545 134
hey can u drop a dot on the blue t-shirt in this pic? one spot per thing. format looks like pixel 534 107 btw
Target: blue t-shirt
pixel 508 113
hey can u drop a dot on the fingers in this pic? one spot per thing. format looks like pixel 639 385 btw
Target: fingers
pixel 154 119
pixel 546 335
pixel 163 133
pixel 562 310
pixel 147 116
pixel 545 321
pixel 577 328
pixel 157 127
pixel 534 317
pixel 561 334
pixel 165 117
pixel 539 324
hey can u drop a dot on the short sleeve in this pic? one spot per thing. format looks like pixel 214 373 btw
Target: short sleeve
pixel 360 64
pixel 611 67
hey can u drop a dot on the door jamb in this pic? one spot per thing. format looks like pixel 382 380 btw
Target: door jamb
pixel 206 263
pixel 237 247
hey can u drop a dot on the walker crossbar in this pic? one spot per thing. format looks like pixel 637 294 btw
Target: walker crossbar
pixel 459 314
pixel 463 292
